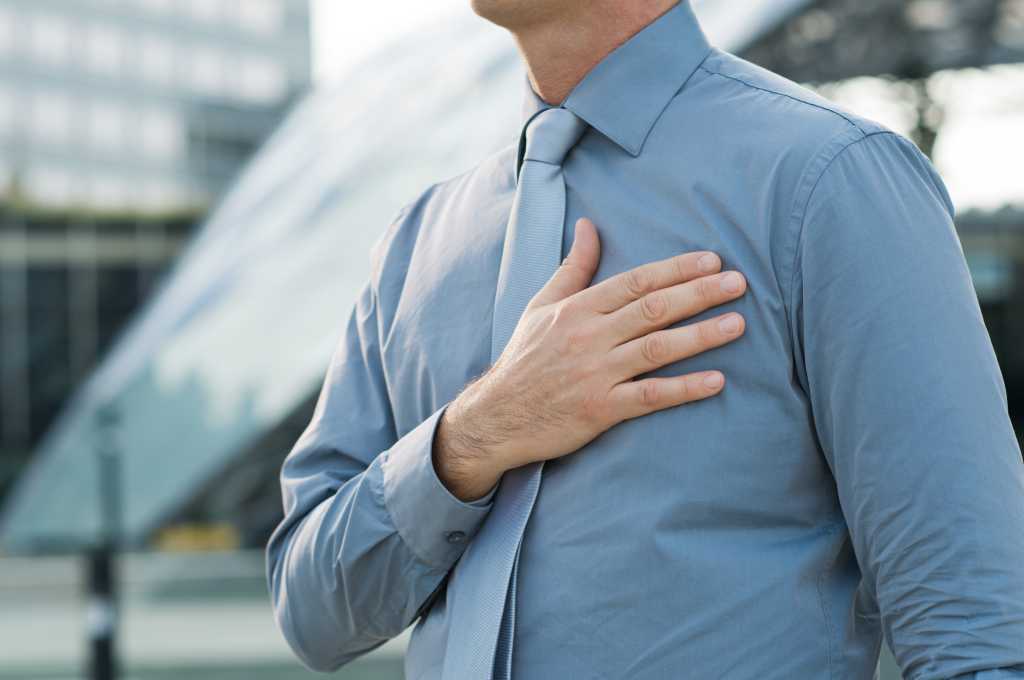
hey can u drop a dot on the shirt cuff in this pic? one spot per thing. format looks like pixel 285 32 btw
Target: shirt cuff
pixel 435 524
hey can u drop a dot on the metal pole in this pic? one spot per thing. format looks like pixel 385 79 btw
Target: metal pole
pixel 102 617
pixel 103 596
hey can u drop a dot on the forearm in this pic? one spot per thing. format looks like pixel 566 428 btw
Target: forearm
pixel 462 453
pixel 332 576
pixel 352 571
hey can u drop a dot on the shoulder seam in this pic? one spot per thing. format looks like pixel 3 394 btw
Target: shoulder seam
pixel 809 181
pixel 801 210
pixel 783 94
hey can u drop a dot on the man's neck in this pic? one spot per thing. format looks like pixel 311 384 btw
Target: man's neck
pixel 559 52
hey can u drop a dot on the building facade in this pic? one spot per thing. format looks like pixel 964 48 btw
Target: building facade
pixel 151 104
pixel 121 121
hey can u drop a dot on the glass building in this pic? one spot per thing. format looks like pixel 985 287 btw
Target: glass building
pixel 121 122
pixel 141 104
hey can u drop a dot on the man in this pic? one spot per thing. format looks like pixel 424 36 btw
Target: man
pixel 855 478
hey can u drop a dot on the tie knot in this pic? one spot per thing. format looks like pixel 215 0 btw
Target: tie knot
pixel 551 134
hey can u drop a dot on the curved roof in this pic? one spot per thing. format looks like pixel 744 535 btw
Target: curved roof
pixel 241 330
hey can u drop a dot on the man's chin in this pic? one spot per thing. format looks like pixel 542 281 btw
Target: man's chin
pixel 512 14
pixel 500 12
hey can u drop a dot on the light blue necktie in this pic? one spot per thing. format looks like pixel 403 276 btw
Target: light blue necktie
pixel 483 582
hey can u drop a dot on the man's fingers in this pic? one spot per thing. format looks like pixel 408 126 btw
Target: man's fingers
pixel 621 289
pixel 674 344
pixel 666 306
pixel 577 270
pixel 635 398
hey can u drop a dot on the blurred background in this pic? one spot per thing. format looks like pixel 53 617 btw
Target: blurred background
pixel 186 186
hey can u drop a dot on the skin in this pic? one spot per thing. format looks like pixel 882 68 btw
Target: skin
pixel 566 374
pixel 561 40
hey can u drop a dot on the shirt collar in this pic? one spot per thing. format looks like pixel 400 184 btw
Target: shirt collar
pixel 625 93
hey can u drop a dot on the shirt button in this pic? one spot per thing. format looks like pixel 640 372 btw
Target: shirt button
pixel 456 536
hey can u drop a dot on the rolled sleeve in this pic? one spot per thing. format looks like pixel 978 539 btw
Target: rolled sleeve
pixel 430 519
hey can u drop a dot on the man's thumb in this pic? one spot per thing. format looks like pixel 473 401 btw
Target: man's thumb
pixel 578 267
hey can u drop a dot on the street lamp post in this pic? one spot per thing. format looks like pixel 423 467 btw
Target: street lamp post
pixel 102 617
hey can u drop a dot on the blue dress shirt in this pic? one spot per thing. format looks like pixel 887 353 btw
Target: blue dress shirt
pixel 857 478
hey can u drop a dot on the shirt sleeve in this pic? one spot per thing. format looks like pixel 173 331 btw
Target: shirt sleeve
pixel 369 531
pixel 910 409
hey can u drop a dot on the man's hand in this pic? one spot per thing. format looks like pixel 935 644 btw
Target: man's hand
pixel 566 374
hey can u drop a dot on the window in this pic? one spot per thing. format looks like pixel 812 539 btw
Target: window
pixel 207 72
pixel 207 11
pixel 261 80
pixel 162 195
pixel 49 39
pixel 51 118
pixel 8 30
pixel 156 6
pixel 109 192
pixel 78 188
pixel 261 16
pixel 8 113
pixel 161 134
pixel 103 49
pixel 155 59
pixel 106 127
pixel 49 185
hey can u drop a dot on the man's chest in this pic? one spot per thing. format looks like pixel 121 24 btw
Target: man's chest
pixel 745 460
pixel 752 443
pixel 439 329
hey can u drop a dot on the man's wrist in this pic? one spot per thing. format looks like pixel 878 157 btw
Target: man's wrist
pixel 463 462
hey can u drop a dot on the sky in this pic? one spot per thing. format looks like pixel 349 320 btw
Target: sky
pixel 345 31
pixel 977 153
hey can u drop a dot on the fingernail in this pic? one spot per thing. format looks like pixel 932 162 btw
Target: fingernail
pixel 731 282
pixel 729 324
pixel 713 380
pixel 707 262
